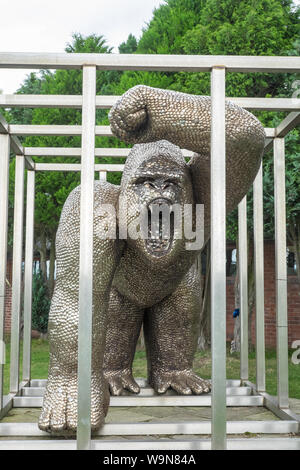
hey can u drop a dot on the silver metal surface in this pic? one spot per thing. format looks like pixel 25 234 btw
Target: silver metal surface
pixel 4 185
pixel 258 236
pixel 106 102
pixel 161 444
pixel 145 391
pixel 234 383
pixel 29 244
pixel 163 428
pixel 76 152
pixel 243 286
pixel 281 273
pixel 76 167
pixel 47 130
pixel 155 62
pixel 218 260
pixel 289 123
pixel 271 403
pixel 188 400
pixel 17 274
pixel 86 259
pixel 102 175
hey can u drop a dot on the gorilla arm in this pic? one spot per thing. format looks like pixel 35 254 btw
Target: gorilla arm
pixel 145 114
pixel 59 413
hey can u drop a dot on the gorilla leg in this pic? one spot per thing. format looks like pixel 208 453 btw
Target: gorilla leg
pixel 171 331
pixel 124 326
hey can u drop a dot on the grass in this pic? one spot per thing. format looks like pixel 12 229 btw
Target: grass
pixel 202 365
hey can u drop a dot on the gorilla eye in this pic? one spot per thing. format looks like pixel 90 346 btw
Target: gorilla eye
pixel 171 182
pixel 145 181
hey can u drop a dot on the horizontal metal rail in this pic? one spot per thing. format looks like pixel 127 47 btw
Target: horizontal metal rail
pixel 107 101
pixel 287 443
pixel 144 392
pixel 76 167
pixel 76 152
pixel 163 428
pixel 189 400
pixel 154 62
pixel 48 130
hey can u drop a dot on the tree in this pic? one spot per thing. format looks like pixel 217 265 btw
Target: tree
pixel 128 47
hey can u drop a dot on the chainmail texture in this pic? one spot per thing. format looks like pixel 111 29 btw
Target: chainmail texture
pixel 154 284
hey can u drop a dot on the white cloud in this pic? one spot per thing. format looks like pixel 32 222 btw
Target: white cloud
pixel 40 26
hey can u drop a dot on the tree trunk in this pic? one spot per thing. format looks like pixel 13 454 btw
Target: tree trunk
pixel 52 264
pixel 43 254
pixel 205 324
pixel 294 238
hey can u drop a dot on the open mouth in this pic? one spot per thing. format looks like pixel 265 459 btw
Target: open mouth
pixel 160 227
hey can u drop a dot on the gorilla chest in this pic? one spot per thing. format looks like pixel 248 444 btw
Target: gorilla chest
pixel 146 286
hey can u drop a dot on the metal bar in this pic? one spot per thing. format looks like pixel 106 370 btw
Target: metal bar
pixel 17 274
pixel 76 167
pixel 86 258
pixel 218 260
pixel 140 381
pixel 16 145
pixel 29 163
pixel 103 175
pixel 243 287
pixel 144 392
pixel 72 130
pixel 48 130
pixel 155 62
pixel 271 403
pixel 76 152
pixel 162 428
pixel 176 400
pixel 289 123
pixel 281 274
pixel 4 185
pixel 29 245
pixel 107 101
pixel 258 235
pixel 154 444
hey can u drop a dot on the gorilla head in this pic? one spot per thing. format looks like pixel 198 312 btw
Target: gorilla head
pixel 155 186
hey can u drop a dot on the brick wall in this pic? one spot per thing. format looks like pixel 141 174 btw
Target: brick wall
pixel 293 298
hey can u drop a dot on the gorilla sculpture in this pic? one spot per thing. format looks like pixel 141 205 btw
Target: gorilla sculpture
pixel 151 282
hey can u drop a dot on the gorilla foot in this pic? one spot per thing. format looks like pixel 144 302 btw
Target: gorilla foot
pixel 59 412
pixel 121 380
pixel 184 382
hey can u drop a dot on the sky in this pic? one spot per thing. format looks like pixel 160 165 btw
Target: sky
pixel 47 26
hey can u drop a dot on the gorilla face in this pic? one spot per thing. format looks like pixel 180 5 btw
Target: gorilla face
pixel 157 189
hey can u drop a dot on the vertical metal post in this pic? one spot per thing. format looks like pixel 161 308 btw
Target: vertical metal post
pixel 4 184
pixel 86 257
pixel 28 275
pixel 218 257
pixel 281 274
pixel 102 175
pixel 17 274
pixel 258 226
pixel 243 285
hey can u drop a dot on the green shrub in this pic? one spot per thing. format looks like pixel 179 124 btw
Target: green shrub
pixel 40 303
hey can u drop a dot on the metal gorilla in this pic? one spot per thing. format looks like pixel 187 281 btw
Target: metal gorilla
pixel 142 282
